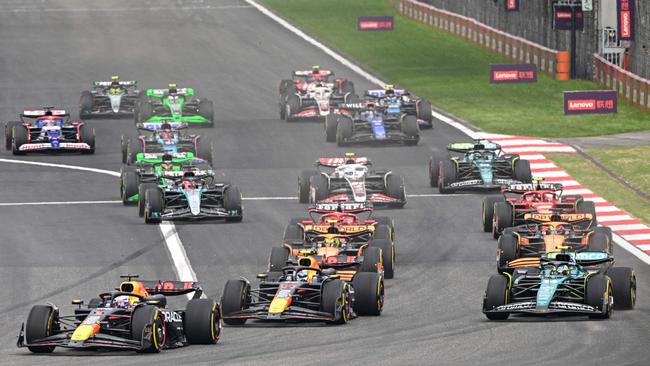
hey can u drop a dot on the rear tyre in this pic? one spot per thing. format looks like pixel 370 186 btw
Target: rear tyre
pixel 598 242
pixel 508 250
pixel 204 149
pixel 368 293
pixel 154 205
pixel 599 295
pixel 318 188
pixel 605 230
pixel 434 171
pixel 623 287
pixel 371 260
pixel 9 127
pixel 284 84
pixel 146 111
pixel 232 204
pixel 448 175
pixel 488 211
pixel 202 321
pixel 303 184
pixel 278 259
pixel 387 255
pixel 424 112
pixel 135 148
pixel 42 322
pixel 588 207
pixel 206 110
pixel 395 189
pixel 335 301
pixel 129 185
pixel 142 317
pixel 293 232
pixel 142 188
pixel 19 134
pixel 234 299
pixel 86 103
pixel 331 125
pixel 503 217
pixel 346 87
pixel 522 171
pixel 87 135
pixel 292 106
pixel 344 130
pixel 411 129
pixel 124 148
pixel 497 294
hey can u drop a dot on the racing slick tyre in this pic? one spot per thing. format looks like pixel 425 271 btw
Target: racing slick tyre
pixel 204 149
pixel 382 231
pixel 352 98
pixel 206 110
pixel 284 85
pixel 129 185
pixel 86 103
pixel 134 149
pixel 202 321
pixel 588 207
pixel 232 204
pixel 318 188
pixel 234 299
pixel 19 137
pixel 395 189
pixel 572 197
pixel 124 148
pixel 371 260
pixel 522 171
pixel 87 135
pixel 154 204
pixel 496 294
pixel 142 188
pixel 599 294
pixel 387 255
pixel 623 287
pixel 488 211
pixel 331 125
pixel 385 220
pixel 303 184
pixel 507 250
pixel 346 87
pixel 344 130
pixel 607 231
pixel 143 317
pixel 410 128
pixel 503 217
pixel 292 107
pixel 368 293
pixel 42 321
pixel 9 127
pixel 293 232
pixel 335 299
pixel 598 242
pixel 448 174
pixel 278 258
pixel 424 112
pixel 145 111
pixel 434 171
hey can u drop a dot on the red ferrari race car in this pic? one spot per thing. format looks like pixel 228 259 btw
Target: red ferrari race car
pixel 309 94
pixel 351 180
pixel 517 200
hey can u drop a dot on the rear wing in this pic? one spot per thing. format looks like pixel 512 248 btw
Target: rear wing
pixel 173 288
pixel 154 126
pixel 581 258
pixel 157 157
pixel 463 147
pixel 36 113
pixel 158 93
pixel 350 207
pixel 380 93
pixel 527 187
pixel 105 84
pixel 338 161
pixel 555 217
pixel 320 74
pixel 367 106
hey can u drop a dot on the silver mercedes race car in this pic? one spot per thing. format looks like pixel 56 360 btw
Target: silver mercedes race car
pixel 115 98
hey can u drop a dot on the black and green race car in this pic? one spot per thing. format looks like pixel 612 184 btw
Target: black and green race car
pixel 174 105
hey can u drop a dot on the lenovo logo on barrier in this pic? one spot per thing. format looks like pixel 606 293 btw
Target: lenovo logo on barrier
pixel 513 73
pixel 374 23
pixel 599 101
pixel 625 10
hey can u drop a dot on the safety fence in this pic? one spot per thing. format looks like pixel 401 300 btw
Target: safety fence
pixel 629 86
pixel 516 48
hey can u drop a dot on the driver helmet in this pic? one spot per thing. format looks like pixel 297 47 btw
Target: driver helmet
pixel 172 89
pixel 563 269
pixel 389 90
pixel 301 276
pixel 122 301
pixel 115 80
pixel 315 69
pixel 165 131
pixel 187 184
pixel 167 160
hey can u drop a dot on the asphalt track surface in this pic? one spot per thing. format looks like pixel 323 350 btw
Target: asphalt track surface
pixel 51 50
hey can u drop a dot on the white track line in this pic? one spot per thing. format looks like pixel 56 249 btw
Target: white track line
pixel 115 10
pixel 57 203
pixel 64 166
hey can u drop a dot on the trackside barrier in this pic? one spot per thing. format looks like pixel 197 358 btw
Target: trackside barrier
pixel 629 86
pixel 516 48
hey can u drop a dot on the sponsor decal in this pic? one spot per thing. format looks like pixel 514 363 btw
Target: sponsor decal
pixel 626 12
pixel 466 183
pixel 171 316
pixel 562 19
pixel 344 206
pixel 517 306
pixel 512 5
pixel 571 306
pixel 334 162
pixel 378 197
pixel 513 73
pixel 598 101
pixel 63 145
pixel 365 23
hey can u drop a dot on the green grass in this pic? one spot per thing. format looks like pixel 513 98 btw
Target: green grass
pixel 632 168
pixel 451 72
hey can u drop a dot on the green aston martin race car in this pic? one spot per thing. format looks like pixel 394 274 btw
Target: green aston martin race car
pixel 174 105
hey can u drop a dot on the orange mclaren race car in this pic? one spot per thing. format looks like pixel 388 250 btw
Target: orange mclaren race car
pixel 132 317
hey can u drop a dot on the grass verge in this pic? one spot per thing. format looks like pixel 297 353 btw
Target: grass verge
pixel 451 72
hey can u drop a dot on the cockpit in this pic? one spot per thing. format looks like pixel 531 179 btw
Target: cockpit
pixel 351 171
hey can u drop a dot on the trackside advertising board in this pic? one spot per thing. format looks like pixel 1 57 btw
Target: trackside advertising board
pixel 593 101
pixel 626 12
pixel 375 23
pixel 562 18
pixel 512 5
pixel 513 73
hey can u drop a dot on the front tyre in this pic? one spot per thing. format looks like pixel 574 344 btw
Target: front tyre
pixel 42 322
pixel 202 321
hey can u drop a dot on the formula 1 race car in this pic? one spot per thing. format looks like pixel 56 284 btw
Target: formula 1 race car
pixel 545 233
pixel 164 138
pixel 509 209
pixel 191 197
pixel 351 180
pixel 174 105
pixel 303 293
pixel 48 130
pixel 370 122
pixel 482 165
pixel 111 99
pixel 133 317
pixel 561 283
pixel 401 101
pixel 310 93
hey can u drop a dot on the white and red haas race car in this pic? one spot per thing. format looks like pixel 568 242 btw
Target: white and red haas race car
pixel 48 130
pixel 309 93
pixel 349 179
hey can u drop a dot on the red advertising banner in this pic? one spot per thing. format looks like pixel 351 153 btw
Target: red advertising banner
pixel 375 23
pixel 562 17
pixel 625 11
pixel 513 73
pixel 597 101
pixel 512 5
